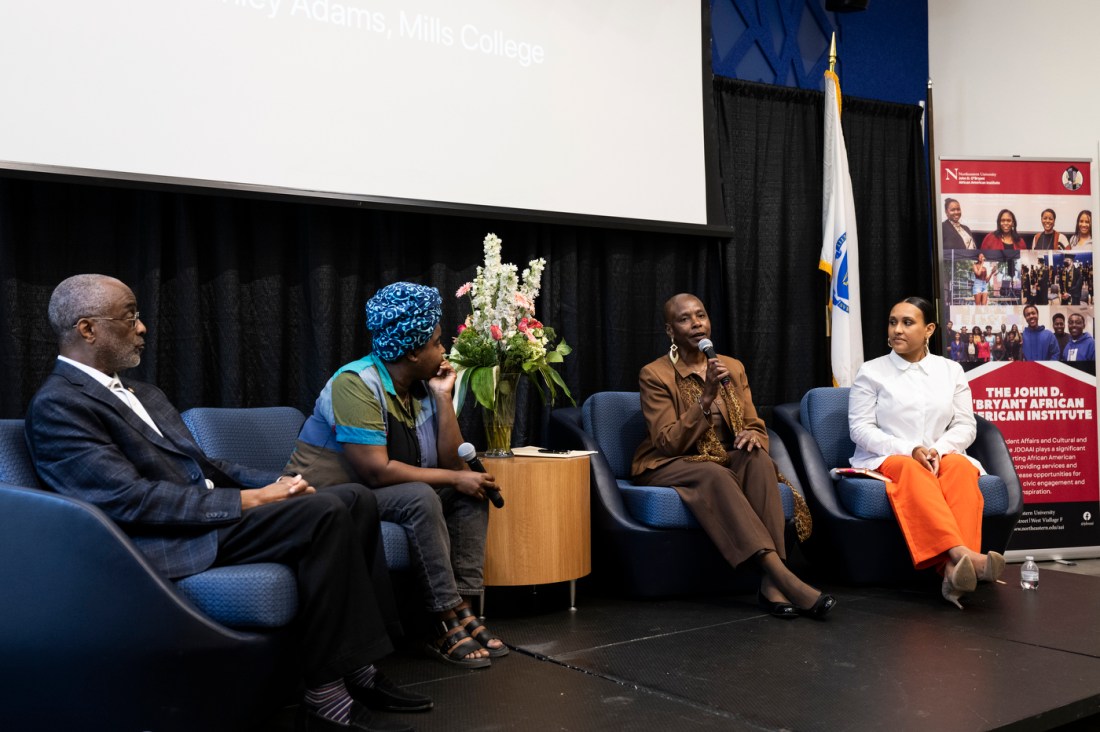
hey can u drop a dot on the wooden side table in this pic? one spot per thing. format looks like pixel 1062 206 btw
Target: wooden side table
pixel 544 532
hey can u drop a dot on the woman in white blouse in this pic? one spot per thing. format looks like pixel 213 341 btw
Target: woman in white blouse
pixel 911 417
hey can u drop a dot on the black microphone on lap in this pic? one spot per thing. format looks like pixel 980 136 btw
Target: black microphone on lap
pixel 468 452
pixel 708 348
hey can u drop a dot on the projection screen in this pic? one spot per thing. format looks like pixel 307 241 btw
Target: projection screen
pixel 589 108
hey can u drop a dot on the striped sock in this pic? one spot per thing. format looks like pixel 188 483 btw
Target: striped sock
pixel 363 678
pixel 330 701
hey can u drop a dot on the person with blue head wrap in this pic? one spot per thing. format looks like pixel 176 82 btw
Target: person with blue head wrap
pixel 388 421
pixel 402 317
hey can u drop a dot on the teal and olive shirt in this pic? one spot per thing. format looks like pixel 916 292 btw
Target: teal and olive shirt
pixel 359 406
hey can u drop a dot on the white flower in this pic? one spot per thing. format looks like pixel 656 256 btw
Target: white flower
pixel 501 296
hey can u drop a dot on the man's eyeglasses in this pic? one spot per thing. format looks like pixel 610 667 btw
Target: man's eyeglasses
pixel 132 320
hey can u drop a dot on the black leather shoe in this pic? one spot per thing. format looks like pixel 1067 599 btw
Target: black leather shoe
pixel 385 696
pixel 784 610
pixel 821 608
pixel 361 721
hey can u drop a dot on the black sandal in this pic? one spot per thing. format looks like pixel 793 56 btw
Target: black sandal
pixel 455 644
pixel 480 633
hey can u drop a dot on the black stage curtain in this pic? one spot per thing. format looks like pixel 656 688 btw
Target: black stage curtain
pixel 770 152
pixel 252 303
pixel 256 302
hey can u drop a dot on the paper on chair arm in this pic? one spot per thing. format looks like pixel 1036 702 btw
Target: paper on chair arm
pixel 838 473
pixel 536 451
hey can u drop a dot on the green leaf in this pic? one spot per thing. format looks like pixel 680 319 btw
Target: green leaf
pixel 560 382
pixel 483 383
pixel 462 386
pixel 540 390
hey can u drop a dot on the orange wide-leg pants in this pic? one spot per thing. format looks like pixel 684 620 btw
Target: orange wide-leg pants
pixel 935 512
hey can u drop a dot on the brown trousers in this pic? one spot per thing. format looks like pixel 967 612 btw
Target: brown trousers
pixel 737 505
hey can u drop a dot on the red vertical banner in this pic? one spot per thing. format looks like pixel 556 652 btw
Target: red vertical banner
pixel 1016 248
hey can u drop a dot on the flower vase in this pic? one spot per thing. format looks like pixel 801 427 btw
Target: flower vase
pixel 499 419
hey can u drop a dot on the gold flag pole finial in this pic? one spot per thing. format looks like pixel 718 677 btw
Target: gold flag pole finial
pixel 832 54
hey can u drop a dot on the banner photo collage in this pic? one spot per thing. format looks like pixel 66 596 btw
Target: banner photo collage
pixel 1019 295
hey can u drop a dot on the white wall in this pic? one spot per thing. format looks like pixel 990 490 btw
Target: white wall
pixel 1015 77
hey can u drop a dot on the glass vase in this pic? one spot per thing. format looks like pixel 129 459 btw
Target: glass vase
pixel 499 419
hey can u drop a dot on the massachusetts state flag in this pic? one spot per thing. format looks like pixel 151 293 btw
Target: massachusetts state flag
pixel 839 251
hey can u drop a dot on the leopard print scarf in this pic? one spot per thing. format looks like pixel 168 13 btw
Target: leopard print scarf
pixel 709 447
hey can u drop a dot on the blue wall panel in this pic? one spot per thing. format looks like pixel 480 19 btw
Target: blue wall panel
pixel 883 50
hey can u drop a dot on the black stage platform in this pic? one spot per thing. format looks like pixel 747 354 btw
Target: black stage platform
pixel 886 659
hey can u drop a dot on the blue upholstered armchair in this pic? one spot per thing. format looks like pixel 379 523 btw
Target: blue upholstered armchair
pixel 230 434
pixel 93 637
pixel 855 532
pixel 85 619
pixel 644 535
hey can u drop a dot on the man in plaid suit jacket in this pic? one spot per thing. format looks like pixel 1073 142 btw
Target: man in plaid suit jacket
pixel 123 447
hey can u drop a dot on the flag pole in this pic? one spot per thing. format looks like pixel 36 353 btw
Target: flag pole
pixel 828 292
pixel 934 208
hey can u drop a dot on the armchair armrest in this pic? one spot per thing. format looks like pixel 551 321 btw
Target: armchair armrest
pixel 991 451
pixel 566 431
pixel 782 459
pixel 817 484
pixel 84 617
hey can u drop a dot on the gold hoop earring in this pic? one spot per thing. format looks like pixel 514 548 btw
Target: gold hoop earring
pixel 672 352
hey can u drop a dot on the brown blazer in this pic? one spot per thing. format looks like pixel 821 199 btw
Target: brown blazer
pixel 674 426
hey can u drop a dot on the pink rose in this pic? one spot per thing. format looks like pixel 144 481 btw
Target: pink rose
pixel 496 332
pixel 461 327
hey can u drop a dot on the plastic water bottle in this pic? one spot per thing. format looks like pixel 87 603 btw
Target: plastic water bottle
pixel 1029 574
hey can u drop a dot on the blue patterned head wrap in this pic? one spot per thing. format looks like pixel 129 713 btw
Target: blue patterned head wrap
pixel 401 317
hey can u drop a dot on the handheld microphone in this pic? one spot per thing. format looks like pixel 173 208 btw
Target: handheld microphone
pixel 708 348
pixel 468 452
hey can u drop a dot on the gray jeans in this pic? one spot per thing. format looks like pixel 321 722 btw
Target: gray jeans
pixel 446 531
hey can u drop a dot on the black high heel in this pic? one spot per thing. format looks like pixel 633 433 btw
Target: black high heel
pixel 821 608
pixel 784 610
